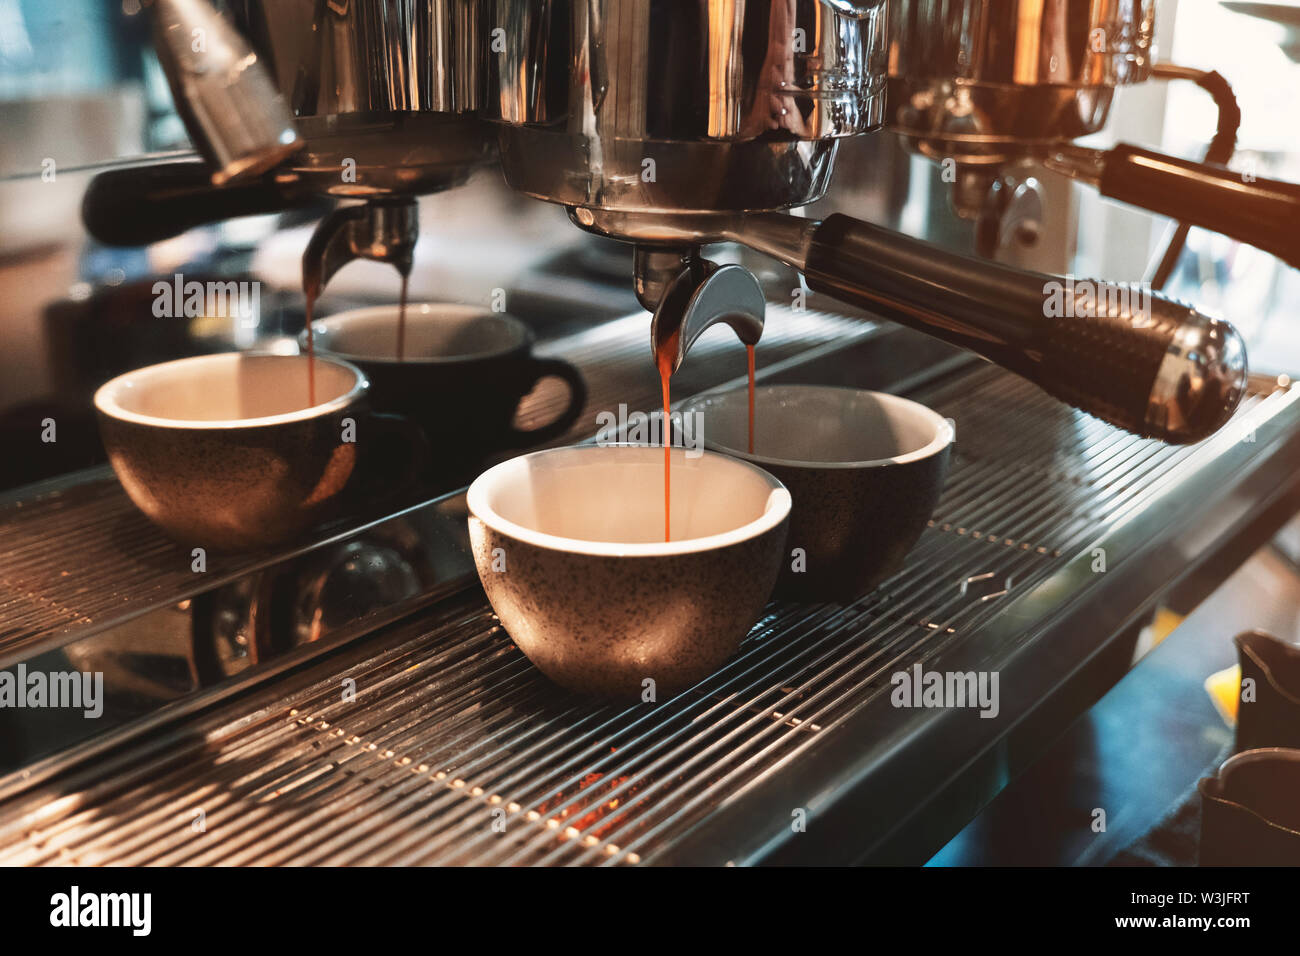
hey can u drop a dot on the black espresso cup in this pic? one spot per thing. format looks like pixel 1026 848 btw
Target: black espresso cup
pixel 462 375
pixel 1250 810
pixel 865 470
pixel 230 453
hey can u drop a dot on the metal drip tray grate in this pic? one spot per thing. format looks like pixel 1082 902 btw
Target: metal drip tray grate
pixel 1038 473
pixel 455 750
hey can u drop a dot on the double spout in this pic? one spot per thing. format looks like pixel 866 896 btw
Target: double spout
pixel 381 231
pixel 689 294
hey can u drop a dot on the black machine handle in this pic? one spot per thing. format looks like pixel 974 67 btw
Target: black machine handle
pixel 1138 360
pixel 146 203
pixel 1264 213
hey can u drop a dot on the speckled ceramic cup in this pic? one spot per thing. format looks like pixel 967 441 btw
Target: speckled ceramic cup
pixel 569 546
pixel 864 469
pixel 224 452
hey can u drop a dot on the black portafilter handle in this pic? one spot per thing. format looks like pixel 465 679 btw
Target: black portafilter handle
pixel 1264 213
pixel 149 202
pixel 1145 363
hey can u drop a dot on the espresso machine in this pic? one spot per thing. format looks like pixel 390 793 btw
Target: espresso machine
pixel 672 126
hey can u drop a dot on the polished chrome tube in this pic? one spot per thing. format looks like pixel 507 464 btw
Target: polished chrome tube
pixel 235 115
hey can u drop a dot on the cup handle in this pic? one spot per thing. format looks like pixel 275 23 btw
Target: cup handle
pixel 544 368
pixel 402 444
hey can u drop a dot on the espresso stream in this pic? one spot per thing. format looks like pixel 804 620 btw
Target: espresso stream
pixel 310 296
pixel 311 352
pixel 664 359
pixel 750 350
pixel 401 319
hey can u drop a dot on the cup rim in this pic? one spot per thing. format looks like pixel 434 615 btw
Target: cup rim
pixel 944 433
pixel 457 310
pixel 106 402
pixel 774 512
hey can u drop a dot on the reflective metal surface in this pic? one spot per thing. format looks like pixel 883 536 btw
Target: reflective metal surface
pixel 1008 208
pixel 979 82
pixel 451 728
pixel 1203 372
pixel 235 116
pixel 700 295
pixel 663 123
pixel 385 94
pixel 380 231
pixel 1255 210
pixel 367 57
pixel 691 176
pixel 367 155
pixel 1113 351
pixel 695 105
pixel 384 100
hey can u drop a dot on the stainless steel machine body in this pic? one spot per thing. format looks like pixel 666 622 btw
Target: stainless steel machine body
pixel 984 83
pixel 293 98
pixel 748 102
pixel 388 92
pixel 982 87
pixel 672 125
pixel 607 104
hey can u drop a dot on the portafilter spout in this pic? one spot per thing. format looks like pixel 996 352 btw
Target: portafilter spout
pixel 689 294
pixel 381 231
pixel 1138 360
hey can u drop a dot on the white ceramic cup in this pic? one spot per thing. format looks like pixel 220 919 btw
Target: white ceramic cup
pixel 569 544
pixel 225 451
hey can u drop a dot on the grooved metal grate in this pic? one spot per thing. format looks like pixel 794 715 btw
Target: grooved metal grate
pixel 79 556
pixel 455 750
pixel 1043 472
